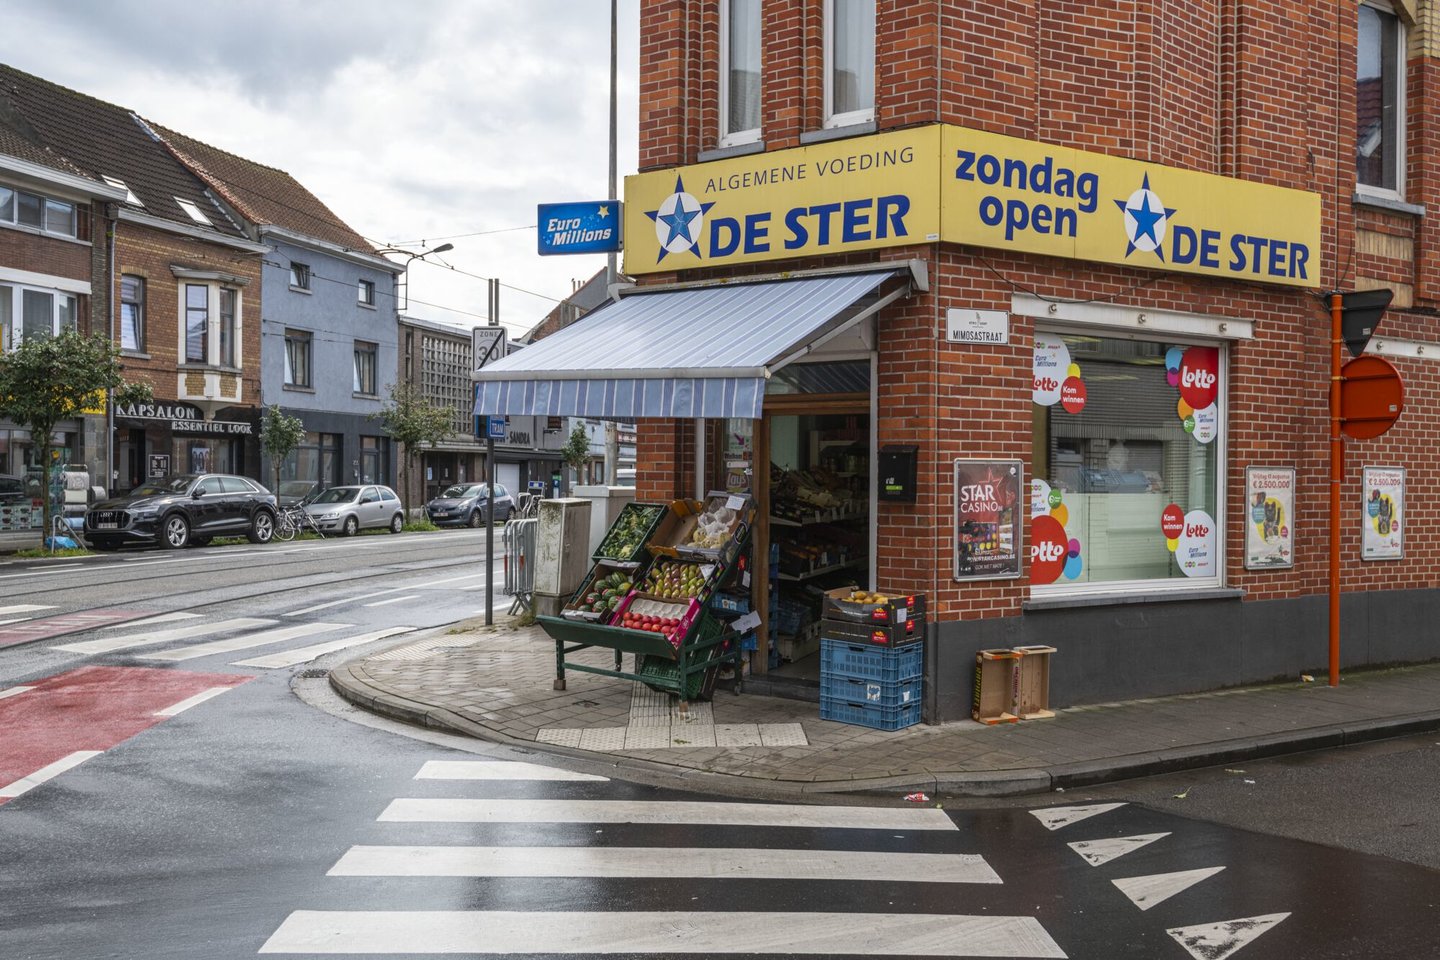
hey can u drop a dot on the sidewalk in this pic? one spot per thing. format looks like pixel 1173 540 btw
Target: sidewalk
pixel 495 683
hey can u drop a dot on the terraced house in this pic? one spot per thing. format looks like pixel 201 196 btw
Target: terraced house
pixel 1017 305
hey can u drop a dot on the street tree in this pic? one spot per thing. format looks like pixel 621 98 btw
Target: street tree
pixel 412 421
pixel 280 434
pixel 576 451
pixel 45 380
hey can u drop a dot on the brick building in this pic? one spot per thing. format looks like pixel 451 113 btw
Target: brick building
pixel 1066 259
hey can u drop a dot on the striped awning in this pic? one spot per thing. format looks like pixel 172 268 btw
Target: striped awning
pixel 697 352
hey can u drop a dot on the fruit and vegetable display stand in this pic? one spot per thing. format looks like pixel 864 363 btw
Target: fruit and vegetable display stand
pixel 647 594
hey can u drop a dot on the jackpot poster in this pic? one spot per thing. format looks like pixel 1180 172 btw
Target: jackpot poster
pixel 1269 518
pixel 989 510
pixel 1383 514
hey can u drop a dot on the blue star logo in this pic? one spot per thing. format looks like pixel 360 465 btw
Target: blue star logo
pixel 1146 218
pixel 678 222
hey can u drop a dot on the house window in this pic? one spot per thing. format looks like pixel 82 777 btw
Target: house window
pixel 132 313
pixel 297 358
pixel 1127 464
pixel 365 367
pixel 28 312
pixel 739 72
pixel 42 213
pixel 197 323
pixel 367 292
pixel 299 276
pixel 849 62
pixel 1380 99
pixel 227 327
pixel 194 212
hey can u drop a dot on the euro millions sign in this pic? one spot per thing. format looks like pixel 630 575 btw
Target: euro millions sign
pixel 591 226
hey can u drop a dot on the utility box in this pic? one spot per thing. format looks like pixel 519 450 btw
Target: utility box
pixel 605 506
pixel 1032 683
pixel 995 676
pixel 562 552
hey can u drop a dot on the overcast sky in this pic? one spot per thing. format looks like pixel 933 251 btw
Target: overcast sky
pixel 417 122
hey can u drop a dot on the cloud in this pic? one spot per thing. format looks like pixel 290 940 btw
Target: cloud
pixel 411 120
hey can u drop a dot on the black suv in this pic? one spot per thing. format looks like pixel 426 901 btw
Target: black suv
pixel 191 508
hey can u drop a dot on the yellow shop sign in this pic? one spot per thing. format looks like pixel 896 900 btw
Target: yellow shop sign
pixel 967 187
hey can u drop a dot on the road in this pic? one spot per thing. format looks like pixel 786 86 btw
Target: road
pixel 177 798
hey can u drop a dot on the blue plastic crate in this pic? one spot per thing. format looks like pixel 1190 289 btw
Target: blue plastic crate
pixel 871 715
pixel 749 641
pixel 887 693
pixel 730 603
pixel 869 662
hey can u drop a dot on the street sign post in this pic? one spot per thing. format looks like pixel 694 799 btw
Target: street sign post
pixel 488 344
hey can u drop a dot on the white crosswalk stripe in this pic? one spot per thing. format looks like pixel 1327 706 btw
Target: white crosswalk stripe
pixel 826 931
pixel 153 637
pixel 243 642
pixel 23 608
pixel 290 658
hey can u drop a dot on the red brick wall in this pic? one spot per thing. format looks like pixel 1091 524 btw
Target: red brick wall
pixel 1260 89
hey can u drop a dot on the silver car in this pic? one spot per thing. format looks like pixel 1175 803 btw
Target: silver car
pixel 350 509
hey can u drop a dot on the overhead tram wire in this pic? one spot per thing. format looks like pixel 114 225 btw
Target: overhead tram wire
pixel 507 286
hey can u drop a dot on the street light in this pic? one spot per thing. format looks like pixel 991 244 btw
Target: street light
pixel 405 270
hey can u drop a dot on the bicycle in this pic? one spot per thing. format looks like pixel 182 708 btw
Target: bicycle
pixel 294 520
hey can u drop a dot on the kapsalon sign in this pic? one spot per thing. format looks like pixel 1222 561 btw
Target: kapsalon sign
pixel 963 186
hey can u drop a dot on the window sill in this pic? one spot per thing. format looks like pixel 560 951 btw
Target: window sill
pixel 295 289
pixel 365 396
pixel 366 306
pixel 1035 604
pixel 293 388
pixel 1390 204
pixel 838 133
pixel 135 354
pixel 737 150
pixel 199 367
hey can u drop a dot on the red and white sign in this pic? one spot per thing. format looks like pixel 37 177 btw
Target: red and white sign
pixel 1072 395
pixel 1196 551
pixel 1048 549
pixel 1050 366
pixel 1200 376
pixel 1172 522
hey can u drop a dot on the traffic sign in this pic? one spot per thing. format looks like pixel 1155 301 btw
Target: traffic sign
pixel 497 428
pixel 488 344
pixel 1372 397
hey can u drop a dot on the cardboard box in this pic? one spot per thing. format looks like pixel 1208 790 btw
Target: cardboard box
pixel 995 676
pixel 674 528
pixel 837 605
pixel 880 634
pixel 741 509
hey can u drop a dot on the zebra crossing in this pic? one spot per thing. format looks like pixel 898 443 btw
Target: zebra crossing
pixel 228 636
pixel 811 844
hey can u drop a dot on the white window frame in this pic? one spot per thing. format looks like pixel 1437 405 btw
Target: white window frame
pixel 193 211
pixel 853 117
pixel 1402 110
pixel 728 137
pixel 212 324
pixel 300 271
pixel 45 200
pixel 373 349
pixel 1176 585
pixel 12 328
pixel 140 322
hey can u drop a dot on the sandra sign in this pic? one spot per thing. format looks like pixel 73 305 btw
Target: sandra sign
pixel 591 226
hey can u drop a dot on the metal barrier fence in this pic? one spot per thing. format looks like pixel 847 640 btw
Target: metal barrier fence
pixel 520 562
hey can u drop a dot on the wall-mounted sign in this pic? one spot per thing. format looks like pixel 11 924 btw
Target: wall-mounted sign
pixel 591 226
pixel 1269 518
pixel 964 186
pixel 977 326
pixel 159 464
pixel 158 411
pixel 989 511
pixel 225 428
pixel 1382 513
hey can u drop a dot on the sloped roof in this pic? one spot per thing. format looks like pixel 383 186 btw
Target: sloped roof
pixel 261 194
pixel 20 140
pixel 106 140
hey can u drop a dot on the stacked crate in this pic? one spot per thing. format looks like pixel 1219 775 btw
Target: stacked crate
pixel 872 661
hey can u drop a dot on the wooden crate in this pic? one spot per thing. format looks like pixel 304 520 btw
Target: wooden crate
pixel 995 686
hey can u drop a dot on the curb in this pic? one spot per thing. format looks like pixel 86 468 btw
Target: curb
pixel 979 783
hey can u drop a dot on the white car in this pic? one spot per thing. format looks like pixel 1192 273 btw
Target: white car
pixel 350 509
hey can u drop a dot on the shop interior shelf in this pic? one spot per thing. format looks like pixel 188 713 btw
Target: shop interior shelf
pixel 821 571
pixel 814 519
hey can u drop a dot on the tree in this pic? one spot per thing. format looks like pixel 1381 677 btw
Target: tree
pixel 412 421
pixel 576 451
pixel 48 379
pixel 280 434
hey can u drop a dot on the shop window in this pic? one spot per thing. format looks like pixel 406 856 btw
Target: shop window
pixel 197 323
pixel 227 327
pixel 365 368
pixel 739 72
pixel 132 313
pixel 1379 101
pixel 297 359
pixel 849 62
pixel 1127 483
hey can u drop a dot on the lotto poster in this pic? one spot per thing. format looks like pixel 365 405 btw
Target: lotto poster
pixel 1383 514
pixel 1269 518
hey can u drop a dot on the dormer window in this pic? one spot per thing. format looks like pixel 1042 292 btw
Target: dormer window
pixel 194 212
pixel 130 197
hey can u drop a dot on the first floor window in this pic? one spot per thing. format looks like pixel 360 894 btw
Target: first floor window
pixel 132 313
pixel 1380 99
pixel 849 61
pixel 299 276
pixel 739 71
pixel 227 327
pixel 197 323
pixel 366 293
pixel 27 312
pixel 297 358
pixel 365 367
pixel 1127 481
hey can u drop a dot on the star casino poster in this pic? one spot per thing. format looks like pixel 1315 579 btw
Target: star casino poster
pixel 988 515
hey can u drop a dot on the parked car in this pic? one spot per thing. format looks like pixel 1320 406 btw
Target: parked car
pixel 13 490
pixel 292 492
pixel 188 509
pixel 351 509
pixel 465 503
